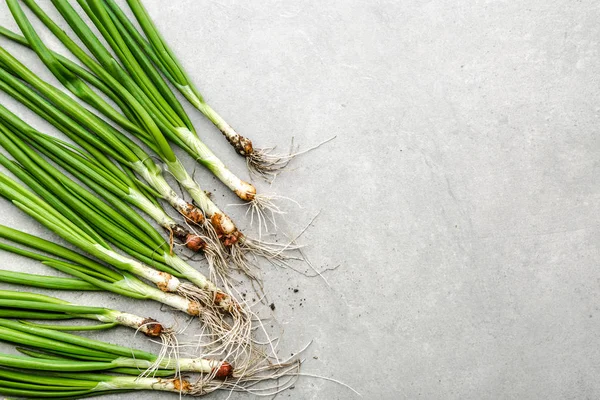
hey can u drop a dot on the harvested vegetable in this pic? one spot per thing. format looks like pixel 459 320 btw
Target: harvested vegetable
pixel 99 220
pixel 114 186
pixel 25 305
pixel 63 344
pixel 89 274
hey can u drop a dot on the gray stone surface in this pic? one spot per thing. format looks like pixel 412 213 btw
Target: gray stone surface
pixel 460 198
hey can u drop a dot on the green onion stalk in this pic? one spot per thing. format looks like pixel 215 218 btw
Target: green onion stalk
pixel 159 98
pixel 259 161
pixel 59 358
pixel 113 185
pixel 123 149
pixel 26 305
pixel 57 364
pixel 90 132
pixel 45 281
pixel 121 224
pixel 150 121
pixel 86 274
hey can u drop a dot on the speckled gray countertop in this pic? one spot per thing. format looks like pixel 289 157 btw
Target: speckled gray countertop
pixel 460 199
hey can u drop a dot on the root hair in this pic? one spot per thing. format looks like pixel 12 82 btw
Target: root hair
pixel 267 165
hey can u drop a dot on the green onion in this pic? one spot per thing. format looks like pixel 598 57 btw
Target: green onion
pixel 46 282
pixel 73 387
pixel 60 352
pixel 181 136
pixel 223 225
pixel 150 82
pixel 70 365
pixel 140 240
pixel 37 305
pixel 126 236
pixel 84 348
pixel 214 301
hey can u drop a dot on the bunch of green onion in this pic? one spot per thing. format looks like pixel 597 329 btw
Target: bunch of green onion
pixel 97 194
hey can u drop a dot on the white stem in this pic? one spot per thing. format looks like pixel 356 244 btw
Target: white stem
pixel 137 383
pixel 156 213
pixel 212 115
pixel 157 182
pixel 202 365
pixel 200 197
pixel 243 189
pixel 191 186
pixel 189 272
pixel 123 318
pixel 191 364
pixel 173 300
pixel 216 119
pixel 189 94
pixel 165 281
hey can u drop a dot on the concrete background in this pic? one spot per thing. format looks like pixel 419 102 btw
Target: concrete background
pixel 460 198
